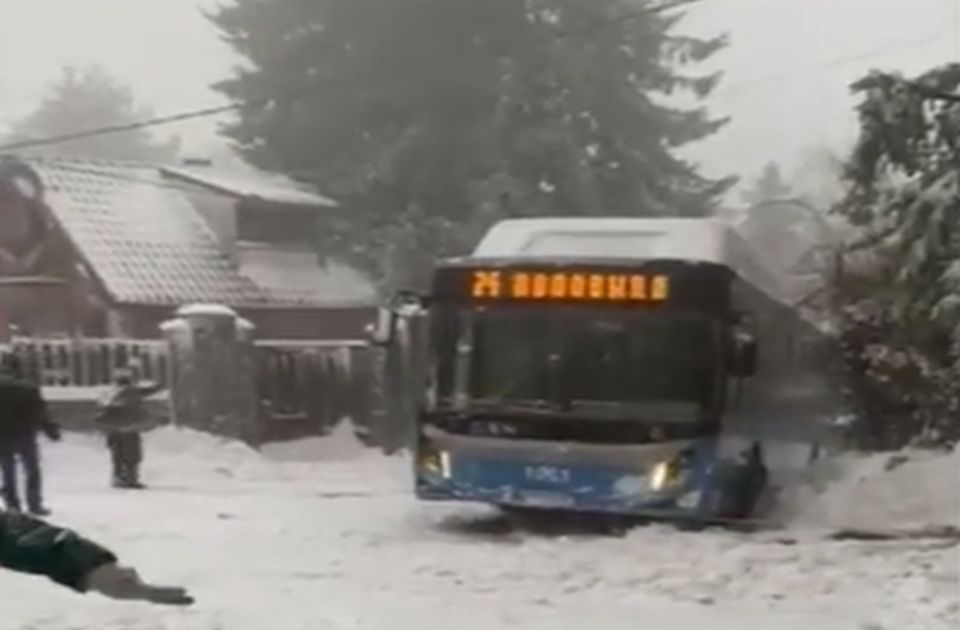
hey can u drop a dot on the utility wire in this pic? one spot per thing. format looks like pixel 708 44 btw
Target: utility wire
pixel 834 61
pixel 100 131
pixel 295 92
pixel 587 29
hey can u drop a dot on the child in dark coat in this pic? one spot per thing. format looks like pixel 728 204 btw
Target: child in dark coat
pixel 123 417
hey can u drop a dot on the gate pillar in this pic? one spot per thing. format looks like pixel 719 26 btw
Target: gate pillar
pixel 213 371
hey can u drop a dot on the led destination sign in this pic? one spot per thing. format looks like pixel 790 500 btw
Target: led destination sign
pixel 562 285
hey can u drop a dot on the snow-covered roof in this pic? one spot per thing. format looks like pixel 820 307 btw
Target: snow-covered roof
pixel 697 240
pixel 147 243
pixel 291 275
pixel 257 185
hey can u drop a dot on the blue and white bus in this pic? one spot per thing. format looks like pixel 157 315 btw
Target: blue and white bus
pixel 622 366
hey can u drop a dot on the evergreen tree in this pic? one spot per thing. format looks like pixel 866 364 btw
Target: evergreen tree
pixel 769 186
pixel 905 177
pixel 430 119
pixel 89 98
pixel 818 177
pixel 903 323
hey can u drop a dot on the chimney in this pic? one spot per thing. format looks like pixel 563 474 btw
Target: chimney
pixel 196 161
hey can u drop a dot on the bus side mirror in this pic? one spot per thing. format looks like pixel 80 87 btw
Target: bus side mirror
pixel 381 331
pixel 744 351
pixel 744 360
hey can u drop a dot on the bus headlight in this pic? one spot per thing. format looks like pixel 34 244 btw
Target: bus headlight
pixel 437 463
pixel 659 476
pixel 668 473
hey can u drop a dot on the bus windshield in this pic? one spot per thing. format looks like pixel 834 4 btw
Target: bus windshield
pixel 653 365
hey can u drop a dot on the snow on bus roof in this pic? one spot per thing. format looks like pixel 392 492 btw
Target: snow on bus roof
pixel 706 240
pixel 694 239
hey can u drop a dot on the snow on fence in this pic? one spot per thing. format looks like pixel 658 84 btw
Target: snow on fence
pixel 87 362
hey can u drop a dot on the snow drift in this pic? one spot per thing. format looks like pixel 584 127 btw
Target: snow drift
pixel 305 536
pixel 340 444
pixel 908 489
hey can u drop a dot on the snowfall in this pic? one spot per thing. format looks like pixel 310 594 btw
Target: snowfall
pixel 323 533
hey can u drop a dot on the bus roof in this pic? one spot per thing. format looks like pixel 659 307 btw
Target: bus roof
pixel 706 240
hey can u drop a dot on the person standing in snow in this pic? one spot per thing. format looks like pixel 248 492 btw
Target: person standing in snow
pixel 29 545
pixel 123 417
pixel 23 414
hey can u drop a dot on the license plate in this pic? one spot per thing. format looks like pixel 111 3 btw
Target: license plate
pixel 555 475
pixel 546 499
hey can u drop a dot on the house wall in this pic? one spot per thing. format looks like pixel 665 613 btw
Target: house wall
pixel 38 309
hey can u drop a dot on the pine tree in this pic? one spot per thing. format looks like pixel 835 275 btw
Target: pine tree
pixel 89 98
pixel 905 176
pixel 769 186
pixel 430 119
pixel 903 311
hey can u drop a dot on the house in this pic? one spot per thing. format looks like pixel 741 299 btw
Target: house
pixel 108 249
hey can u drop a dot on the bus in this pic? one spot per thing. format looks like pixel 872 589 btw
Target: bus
pixel 638 367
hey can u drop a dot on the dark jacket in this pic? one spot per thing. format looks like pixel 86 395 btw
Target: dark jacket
pixel 123 410
pixel 29 545
pixel 23 412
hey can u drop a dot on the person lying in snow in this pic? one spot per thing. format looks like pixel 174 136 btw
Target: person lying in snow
pixel 30 545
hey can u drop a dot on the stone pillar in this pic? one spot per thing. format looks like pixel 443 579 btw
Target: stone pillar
pixel 404 382
pixel 213 371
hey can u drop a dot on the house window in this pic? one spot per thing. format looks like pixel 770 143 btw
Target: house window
pixel 276 225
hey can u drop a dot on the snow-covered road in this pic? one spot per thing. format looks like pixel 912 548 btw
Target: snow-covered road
pixel 269 542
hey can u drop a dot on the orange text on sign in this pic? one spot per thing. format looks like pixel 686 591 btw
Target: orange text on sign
pixel 593 287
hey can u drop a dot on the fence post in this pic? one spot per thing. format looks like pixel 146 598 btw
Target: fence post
pixel 183 408
pixel 213 384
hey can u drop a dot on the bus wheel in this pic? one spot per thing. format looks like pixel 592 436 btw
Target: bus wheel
pixel 741 488
pixel 524 518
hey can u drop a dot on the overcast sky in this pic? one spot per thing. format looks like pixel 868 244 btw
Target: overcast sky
pixel 787 68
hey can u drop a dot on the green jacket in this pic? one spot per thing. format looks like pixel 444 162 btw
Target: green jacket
pixel 30 545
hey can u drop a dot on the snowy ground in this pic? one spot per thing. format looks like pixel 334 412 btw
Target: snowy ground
pixel 277 541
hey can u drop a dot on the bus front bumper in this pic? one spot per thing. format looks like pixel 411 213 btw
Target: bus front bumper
pixel 585 487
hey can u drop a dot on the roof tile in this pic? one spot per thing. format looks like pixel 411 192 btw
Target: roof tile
pixel 150 245
pixel 147 243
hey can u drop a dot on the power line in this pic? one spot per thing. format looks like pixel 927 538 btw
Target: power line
pixel 296 92
pixel 835 61
pixel 599 24
pixel 101 131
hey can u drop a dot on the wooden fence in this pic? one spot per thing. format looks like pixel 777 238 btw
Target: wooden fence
pixel 304 388
pixel 90 362
pixel 307 388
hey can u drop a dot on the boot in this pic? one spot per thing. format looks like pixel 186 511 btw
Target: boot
pixel 134 479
